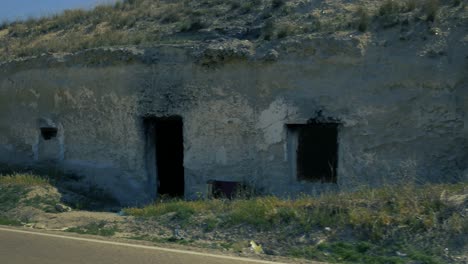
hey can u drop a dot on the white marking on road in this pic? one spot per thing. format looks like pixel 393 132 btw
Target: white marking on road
pixel 139 246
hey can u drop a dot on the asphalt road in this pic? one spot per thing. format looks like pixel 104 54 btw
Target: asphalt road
pixel 21 247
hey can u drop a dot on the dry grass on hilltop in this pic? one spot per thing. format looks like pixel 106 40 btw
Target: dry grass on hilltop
pixel 142 22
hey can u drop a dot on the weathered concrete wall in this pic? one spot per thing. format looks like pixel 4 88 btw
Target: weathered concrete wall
pixel 404 117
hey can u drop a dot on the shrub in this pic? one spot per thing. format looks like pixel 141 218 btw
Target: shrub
pixel 10 197
pixel 9 222
pixel 431 8
pixel 247 7
pixel 18 30
pixel 70 18
pixel 285 30
pixel 171 15
pixel 277 3
pixel 457 2
pixel 268 29
pixel 410 5
pixel 235 4
pixel 363 19
pixel 389 7
pixel 192 25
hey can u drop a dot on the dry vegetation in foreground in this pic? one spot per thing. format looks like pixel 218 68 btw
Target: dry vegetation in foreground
pixel 389 225
pixel 395 224
pixel 14 189
pixel 141 22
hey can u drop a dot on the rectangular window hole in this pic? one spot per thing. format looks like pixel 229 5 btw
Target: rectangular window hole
pixel 314 151
pixel 48 133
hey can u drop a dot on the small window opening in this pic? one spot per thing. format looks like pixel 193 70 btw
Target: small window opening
pixel 315 151
pixel 48 132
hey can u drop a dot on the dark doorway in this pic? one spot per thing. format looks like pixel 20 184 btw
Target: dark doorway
pixel 168 133
pixel 316 151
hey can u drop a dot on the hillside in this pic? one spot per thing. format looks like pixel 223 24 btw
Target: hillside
pixel 148 22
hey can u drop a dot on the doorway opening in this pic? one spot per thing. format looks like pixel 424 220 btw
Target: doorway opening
pixel 314 151
pixel 167 135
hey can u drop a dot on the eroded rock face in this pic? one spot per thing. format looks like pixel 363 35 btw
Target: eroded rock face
pixel 223 51
pixel 401 115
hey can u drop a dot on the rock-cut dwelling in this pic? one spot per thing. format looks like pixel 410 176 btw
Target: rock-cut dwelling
pixel 302 116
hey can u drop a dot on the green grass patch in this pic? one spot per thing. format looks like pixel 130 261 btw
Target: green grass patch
pixel 96 228
pixel 210 224
pixel 9 222
pixel 364 252
pixel 44 203
pixel 15 187
pixel 10 197
pixel 23 179
pixel 182 210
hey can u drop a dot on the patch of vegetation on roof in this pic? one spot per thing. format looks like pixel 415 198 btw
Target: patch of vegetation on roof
pixel 145 22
